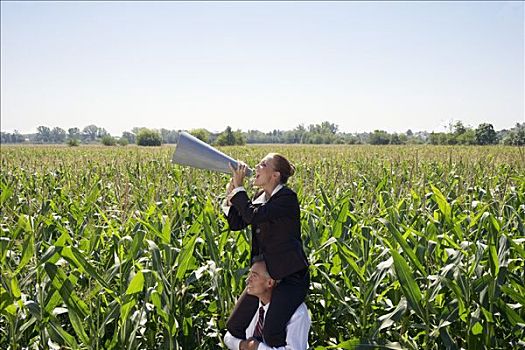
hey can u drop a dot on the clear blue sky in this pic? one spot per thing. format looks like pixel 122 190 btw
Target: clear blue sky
pixel 261 65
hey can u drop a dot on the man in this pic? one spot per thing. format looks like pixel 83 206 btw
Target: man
pixel 260 284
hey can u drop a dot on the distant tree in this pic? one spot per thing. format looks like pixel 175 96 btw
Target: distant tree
pixel 467 138
pixel 291 136
pixel 58 135
pixel 239 138
pixel 165 134
pixel 328 128
pixel 101 132
pixel 73 133
pixel 420 137
pixel 108 140
pixel 90 132
pixel 351 139
pixel 73 142
pixel 128 136
pixel 226 138
pixel 18 138
pixel 379 137
pixel 314 128
pixel 169 136
pixel 172 137
pixel 325 132
pixel 314 138
pixel 5 137
pixel 459 128
pixel 43 134
pixel 256 136
pixel 395 140
pixel 147 137
pixel 15 137
pixel 516 136
pixel 438 138
pixel 201 134
pixel 409 133
pixel 123 141
pixel 485 134
pixel 300 131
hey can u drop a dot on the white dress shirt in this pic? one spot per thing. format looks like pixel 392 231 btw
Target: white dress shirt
pixel 296 331
pixel 259 200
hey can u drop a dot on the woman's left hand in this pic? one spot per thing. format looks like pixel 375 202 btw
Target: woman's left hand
pixel 238 174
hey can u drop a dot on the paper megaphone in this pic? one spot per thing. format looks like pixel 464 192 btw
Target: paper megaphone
pixel 193 152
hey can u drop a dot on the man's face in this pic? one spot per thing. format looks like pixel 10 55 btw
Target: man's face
pixel 258 281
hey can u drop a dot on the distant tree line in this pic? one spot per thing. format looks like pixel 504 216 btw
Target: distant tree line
pixel 484 134
pixel 324 133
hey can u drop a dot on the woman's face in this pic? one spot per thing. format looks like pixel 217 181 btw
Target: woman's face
pixel 265 172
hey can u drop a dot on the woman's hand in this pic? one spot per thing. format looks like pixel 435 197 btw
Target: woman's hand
pixel 238 174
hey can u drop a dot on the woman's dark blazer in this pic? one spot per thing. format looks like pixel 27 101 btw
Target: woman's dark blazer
pixel 276 230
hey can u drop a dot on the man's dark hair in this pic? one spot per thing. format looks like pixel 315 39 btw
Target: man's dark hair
pixel 258 258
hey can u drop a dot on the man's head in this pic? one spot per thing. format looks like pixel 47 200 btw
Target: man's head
pixel 259 283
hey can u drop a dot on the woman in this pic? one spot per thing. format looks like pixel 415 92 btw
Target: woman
pixel 274 216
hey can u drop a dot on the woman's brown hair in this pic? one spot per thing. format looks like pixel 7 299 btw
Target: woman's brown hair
pixel 283 166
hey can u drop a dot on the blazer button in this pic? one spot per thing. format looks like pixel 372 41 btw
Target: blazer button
pixel 258 230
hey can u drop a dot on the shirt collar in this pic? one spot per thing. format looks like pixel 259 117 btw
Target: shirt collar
pixel 265 307
pixel 262 198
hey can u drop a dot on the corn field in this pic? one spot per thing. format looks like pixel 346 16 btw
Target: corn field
pixel 411 247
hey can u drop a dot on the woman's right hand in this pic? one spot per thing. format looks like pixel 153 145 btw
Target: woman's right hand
pixel 238 174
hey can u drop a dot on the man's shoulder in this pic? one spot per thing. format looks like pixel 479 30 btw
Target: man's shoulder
pixel 301 312
pixel 302 308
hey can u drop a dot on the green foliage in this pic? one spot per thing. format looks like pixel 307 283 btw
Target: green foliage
pixel 90 132
pixel 73 142
pixel 73 133
pixel 201 134
pixel 169 136
pixel 108 140
pixel 147 137
pixel 379 137
pixel 485 134
pixel 466 138
pixel 516 136
pixel 128 136
pixel 324 133
pixel 123 141
pixel 411 247
pixel 43 134
pixel 15 137
pixel 58 135
pixel 230 138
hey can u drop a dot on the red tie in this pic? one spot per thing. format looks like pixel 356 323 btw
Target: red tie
pixel 257 333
